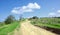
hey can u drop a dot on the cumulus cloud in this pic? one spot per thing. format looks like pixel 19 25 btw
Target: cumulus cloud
pixel 52 14
pixel 28 8
pixel 57 13
pixel 33 6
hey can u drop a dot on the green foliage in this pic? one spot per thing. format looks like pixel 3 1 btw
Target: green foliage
pixel 1 24
pixel 35 17
pixel 9 19
pixel 48 22
pixel 8 28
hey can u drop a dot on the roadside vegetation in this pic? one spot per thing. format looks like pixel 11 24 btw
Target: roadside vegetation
pixel 9 25
pixel 4 30
pixel 52 22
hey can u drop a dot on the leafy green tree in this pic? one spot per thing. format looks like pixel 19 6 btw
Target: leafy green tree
pixel 9 19
pixel 34 17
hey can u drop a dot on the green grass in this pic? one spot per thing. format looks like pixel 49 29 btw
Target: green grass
pixel 8 28
pixel 4 30
pixel 48 22
pixel 57 26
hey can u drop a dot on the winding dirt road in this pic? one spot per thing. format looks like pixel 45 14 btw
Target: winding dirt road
pixel 28 29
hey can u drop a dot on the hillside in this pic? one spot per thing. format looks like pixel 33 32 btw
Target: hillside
pixel 51 24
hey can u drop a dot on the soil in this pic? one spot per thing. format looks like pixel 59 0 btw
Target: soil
pixel 54 30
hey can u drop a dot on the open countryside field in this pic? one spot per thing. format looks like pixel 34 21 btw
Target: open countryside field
pixel 23 28
pixel 29 17
pixel 52 24
pixel 49 22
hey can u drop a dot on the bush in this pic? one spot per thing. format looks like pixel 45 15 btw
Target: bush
pixel 9 19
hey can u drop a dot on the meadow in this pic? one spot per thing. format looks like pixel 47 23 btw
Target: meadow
pixel 39 22
pixel 4 30
pixel 47 22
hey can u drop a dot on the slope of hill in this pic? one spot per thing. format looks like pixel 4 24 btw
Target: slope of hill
pixel 52 24
pixel 4 30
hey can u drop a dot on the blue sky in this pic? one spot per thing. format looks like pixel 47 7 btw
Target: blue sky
pixel 40 8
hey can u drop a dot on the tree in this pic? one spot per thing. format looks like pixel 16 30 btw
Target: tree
pixel 35 17
pixel 9 19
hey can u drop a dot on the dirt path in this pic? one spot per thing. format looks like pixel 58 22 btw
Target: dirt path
pixel 28 29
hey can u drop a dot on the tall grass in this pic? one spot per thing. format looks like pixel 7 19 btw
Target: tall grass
pixel 48 22
pixel 8 28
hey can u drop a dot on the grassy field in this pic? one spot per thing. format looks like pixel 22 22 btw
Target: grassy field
pixel 48 22
pixel 4 30
pixel 9 28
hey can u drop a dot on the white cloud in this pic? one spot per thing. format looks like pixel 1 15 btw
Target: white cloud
pixel 52 14
pixel 28 8
pixel 33 6
pixel 58 11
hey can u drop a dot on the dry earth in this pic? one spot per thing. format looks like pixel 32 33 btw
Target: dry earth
pixel 28 29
